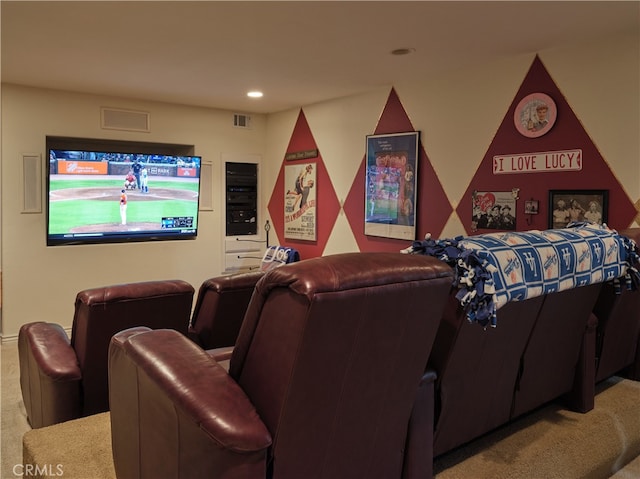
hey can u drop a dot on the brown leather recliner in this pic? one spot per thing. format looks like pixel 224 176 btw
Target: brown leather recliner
pixel 321 384
pixel 62 378
pixel 618 336
pixel 541 350
pixel 476 371
pixel 558 362
pixel 220 307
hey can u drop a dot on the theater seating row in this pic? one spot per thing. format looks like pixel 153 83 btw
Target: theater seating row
pixel 551 347
pixel 322 378
pixel 321 381
pixel 65 378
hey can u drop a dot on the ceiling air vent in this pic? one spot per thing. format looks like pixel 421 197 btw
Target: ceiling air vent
pixel 241 121
pixel 128 120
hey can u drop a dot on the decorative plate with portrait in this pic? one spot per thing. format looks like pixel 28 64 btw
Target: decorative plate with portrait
pixel 535 115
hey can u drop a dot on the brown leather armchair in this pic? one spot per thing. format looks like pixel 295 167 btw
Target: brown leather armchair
pixel 62 378
pixel 541 350
pixel 322 381
pixel 618 336
pixel 220 307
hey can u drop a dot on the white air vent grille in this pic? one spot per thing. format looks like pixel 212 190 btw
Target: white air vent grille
pixel 206 186
pixel 31 183
pixel 241 121
pixel 128 120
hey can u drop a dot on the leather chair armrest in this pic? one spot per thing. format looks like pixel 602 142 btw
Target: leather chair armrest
pixel 167 394
pixel 49 374
pixel 221 354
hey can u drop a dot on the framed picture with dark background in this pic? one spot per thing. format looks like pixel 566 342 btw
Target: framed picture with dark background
pixel 566 206
pixel 390 185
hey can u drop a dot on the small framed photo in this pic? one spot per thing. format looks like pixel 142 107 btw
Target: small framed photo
pixel 531 207
pixel 493 210
pixel 567 206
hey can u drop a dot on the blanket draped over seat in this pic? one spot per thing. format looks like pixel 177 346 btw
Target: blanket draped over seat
pixel 493 269
pixel 276 256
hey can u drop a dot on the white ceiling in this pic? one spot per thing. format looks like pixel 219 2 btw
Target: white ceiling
pixel 210 53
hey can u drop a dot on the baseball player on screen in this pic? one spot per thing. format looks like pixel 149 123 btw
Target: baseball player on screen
pixel 130 181
pixel 144 180
pixel 123 207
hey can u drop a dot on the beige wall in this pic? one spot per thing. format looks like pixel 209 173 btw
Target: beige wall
pixel 458 114
pixel 40 282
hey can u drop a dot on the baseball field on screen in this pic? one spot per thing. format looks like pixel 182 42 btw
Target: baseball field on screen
pixel 79 203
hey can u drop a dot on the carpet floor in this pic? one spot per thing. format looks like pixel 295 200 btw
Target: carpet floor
pixel 555 443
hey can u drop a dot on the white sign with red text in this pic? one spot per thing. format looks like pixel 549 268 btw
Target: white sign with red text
pixel 547 161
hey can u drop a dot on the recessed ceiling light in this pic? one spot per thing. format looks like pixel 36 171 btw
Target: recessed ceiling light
pixel 403 51
pixel 254 94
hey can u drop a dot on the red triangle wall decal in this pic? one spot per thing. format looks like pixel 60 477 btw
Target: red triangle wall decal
pixel 327 204
pixel 566 134
pixel 433 207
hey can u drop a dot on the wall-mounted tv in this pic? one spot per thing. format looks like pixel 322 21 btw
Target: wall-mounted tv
pixel 96 196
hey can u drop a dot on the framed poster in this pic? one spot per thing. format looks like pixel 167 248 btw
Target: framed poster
pixel 390 185
pixel 493 210
pixel 300 218
pixel 566 206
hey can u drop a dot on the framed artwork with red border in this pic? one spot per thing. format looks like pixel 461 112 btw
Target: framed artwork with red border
pixel 535 115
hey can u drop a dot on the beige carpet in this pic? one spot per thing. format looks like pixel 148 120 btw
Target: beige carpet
pixel 78 449
pixel 555 443
pixel 14 418
pixel 630 471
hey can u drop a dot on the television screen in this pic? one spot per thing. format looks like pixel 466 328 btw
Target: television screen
pixel 99 197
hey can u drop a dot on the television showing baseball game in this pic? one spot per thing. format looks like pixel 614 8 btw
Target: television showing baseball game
pixel 102 197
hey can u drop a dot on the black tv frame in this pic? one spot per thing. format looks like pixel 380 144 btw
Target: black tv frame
pixel 114 146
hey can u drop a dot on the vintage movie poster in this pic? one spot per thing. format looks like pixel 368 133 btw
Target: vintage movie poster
pixel 391 175
pixel 300 214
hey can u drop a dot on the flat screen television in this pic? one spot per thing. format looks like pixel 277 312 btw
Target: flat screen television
pixel 109 197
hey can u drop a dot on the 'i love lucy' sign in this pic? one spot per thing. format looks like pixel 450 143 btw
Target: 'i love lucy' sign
pixel 548 161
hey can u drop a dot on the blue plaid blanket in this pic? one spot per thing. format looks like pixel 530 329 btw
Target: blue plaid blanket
pixel 276 256
pixel 493 269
